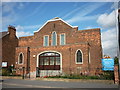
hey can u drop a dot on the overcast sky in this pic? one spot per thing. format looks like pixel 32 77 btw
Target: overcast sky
pixel 28 17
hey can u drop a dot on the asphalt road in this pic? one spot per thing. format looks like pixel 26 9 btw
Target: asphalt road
pixel 18 83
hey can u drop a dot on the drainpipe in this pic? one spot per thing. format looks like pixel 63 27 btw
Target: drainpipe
pixel 28 61
pixel 89 57
pixel 70 61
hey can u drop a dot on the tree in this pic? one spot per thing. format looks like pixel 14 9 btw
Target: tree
pixel 116 60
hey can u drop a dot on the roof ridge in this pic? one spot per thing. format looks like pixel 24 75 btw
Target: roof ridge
pixel 55 19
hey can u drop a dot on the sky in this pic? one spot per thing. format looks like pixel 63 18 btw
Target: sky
pixel 28 17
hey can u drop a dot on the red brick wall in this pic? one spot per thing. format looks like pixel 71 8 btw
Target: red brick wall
pixel 9 43
pixel 24 64
pixel 116 74
pixel 74 39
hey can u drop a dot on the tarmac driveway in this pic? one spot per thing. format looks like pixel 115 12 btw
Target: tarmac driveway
pixel 19 83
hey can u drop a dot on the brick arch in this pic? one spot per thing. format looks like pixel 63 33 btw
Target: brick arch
pixel 21 53
pixel 37 63
pixel 76 56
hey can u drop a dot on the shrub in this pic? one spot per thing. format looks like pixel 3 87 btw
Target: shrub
pixel 75 77
pixel 107 75
pixel 5 72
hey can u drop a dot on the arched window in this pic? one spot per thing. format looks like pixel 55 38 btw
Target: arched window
pixel 49 61
pixel 54 39
pixel 20 58
pixel 79 59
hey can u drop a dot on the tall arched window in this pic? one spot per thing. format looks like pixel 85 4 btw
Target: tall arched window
pixel 79 59
pixel 20 58
pixel 54 39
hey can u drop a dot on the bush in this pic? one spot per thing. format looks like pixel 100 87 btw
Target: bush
pixel 105 76
pixel 8 71
pixel 5 72
pixel 75 77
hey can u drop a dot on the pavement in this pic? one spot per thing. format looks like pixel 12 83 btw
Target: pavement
pixel 19 83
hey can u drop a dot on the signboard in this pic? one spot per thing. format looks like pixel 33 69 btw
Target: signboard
pixel 108 64
pixel 4 64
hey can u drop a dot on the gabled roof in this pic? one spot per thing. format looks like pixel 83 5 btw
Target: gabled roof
pixel 55 19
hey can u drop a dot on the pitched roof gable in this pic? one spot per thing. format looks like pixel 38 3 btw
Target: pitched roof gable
pixel 55 19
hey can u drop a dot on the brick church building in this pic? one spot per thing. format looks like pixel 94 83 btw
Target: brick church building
pixel 58 48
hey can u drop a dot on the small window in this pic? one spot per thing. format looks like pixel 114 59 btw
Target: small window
pixel 79 59
pixel 54 39
pixel 62 39
pixel 46 41
pixel 21 58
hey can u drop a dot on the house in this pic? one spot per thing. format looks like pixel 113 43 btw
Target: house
pixel 8 44
pixel 58 48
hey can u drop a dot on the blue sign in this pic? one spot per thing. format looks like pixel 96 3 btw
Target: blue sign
pixel 108 64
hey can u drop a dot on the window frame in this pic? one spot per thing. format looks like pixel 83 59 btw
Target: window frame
pixel 64 39
pixel 44 40
pixel 76 57
pixel 22 58
pixel 53 66
pixel 52 39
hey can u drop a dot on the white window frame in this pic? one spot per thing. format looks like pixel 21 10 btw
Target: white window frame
pixel 52 39
pixel 44 40
pixel 61 65
pixel 76 57
pixel 19 58
pixel 64 39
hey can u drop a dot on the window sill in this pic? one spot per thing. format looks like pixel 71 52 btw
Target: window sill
pixel 79 63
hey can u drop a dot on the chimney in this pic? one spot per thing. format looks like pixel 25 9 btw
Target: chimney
pixel 11 30
pixel 75 28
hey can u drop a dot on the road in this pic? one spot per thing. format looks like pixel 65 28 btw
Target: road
pixel 18 83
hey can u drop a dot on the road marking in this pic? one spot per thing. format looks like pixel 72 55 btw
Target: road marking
pixel 32 86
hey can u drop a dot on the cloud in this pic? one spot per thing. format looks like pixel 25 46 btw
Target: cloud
pixel 6 20
pixel 14 0
pixel 21 6
pixel 22 33
pixel 109 42
pixel 107 20
pixel 90 27
pixel 81 18
pixel 23 30
pixel 9 15
pixel 71 12
pixel 83 13
pixel 9 7
pixel 109 33
pixel 19 27
pixel 37 9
